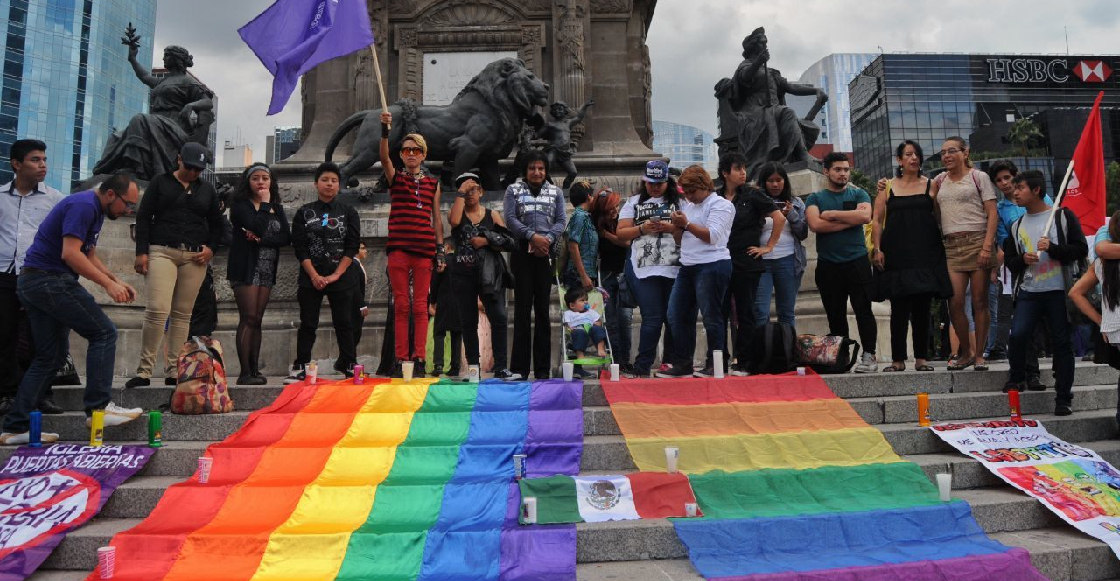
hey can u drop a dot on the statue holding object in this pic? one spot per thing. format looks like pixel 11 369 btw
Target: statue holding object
pixel 753 116
pixel 181 110
pixel 557 135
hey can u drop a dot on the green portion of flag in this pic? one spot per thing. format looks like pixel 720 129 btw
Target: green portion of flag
pixel 556 499
pixel 771 493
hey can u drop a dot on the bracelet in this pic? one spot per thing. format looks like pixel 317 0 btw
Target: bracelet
pixel 384 131
pixel 686 225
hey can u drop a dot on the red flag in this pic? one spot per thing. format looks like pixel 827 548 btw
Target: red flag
pixel 1085 194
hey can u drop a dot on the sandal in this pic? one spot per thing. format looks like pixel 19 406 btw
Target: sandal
pixel 923 367
pixel 980 367
pixel 961 365
pixel 894 367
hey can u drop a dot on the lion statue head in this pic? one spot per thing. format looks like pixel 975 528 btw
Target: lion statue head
pixel 510 86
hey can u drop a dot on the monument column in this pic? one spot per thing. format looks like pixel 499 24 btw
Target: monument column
pixel 572 22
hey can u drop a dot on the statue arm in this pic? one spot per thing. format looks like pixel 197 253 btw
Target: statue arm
pixel 583 111
pixel 142 73
pixel 805 90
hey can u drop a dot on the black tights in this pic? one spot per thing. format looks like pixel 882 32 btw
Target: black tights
pixel 910 311
pixel 251 301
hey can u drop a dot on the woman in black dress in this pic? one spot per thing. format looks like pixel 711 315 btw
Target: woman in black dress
pixel 909 255
pixel 260 229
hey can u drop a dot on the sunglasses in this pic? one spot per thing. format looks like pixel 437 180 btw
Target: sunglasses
pixel 411 151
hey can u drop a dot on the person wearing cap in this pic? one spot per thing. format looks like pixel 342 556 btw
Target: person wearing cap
pixel 655 259
pixel 178 225
pixel 260 229
pixel 24 203
pixel 534 209
pixel 478 272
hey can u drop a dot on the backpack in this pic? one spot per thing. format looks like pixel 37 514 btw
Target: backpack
pixel 774 349
pixel 827 353
pixel 202 387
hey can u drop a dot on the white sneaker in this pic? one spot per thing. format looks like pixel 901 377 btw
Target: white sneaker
pixel 115 415
pixel 867 363
pixel 10 439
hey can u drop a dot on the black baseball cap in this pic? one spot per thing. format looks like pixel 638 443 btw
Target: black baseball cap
pixel 194 155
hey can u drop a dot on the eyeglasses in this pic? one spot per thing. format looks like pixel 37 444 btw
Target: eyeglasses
pixel 411 151
pixel 129 207
pixel 950 151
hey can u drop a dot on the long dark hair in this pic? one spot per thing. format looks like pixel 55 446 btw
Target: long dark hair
pixel 1110 269
pixel 672 192
pixel 242 191
pixel 768 169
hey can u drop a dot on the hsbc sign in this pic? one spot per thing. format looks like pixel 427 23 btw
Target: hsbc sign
pixel 1014 71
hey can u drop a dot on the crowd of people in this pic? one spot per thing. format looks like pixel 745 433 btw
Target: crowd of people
pixel 987 242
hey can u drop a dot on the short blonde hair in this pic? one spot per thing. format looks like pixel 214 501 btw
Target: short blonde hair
pixel 695 177
pixel 419 139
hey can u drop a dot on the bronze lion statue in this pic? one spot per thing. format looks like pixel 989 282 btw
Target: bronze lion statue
pixel 480 126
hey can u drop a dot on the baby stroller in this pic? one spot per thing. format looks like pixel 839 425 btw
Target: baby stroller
pixel 597 298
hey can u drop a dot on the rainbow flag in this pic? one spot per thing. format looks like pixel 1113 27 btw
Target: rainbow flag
pixel 379 481
pixel 795 486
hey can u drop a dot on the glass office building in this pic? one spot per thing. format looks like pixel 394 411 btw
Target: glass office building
pixel 685 145
pixel 929 97
pixel 832 74
pixel 67 80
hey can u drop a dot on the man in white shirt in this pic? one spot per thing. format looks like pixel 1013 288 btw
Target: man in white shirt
pixel 24 203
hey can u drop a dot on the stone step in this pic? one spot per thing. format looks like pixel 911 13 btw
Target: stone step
pixel 246 398
pixel 907 383
pixel 71 427
pixel 599 421
pixel 997 510
pixel 1059 553
pixel 969 473
pixel 609 452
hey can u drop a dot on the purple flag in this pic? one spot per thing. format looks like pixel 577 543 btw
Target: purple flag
pixel 292 37
pixel 47 492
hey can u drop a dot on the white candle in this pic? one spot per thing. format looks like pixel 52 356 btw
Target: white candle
pixel 717 363
pixel 671 456
pixel 616 372
pixel 530 504
pixel 569 370
pixel 407 367
pixel 945 486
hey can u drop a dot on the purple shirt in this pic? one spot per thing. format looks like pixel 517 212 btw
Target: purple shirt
pixel 78 216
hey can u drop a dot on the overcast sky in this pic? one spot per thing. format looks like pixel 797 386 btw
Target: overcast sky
pixel 692 44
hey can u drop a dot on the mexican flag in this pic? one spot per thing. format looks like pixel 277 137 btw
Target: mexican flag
pixel 571 499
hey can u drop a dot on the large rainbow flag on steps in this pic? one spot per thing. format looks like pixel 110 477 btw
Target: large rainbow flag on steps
pixel 795 486
pixel 381 481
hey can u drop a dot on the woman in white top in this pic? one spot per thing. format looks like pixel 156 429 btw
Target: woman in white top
pixel 1106 273
pixel 966 200
pixel 654 258
pixel 704 226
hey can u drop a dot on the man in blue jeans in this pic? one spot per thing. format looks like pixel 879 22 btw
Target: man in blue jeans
pixel 64 249
pixel 1040 259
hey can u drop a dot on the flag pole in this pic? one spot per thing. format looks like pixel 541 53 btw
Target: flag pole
pixel 1058 200
pixel 377 72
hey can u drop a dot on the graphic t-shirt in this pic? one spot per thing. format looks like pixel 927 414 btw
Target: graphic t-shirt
pixel 1046 274
pixel 848 244
pixel 652 254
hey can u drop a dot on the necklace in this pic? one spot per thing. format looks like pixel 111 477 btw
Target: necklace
pixel 416 177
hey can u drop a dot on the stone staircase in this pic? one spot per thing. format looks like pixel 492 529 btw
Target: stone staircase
pixel 649 550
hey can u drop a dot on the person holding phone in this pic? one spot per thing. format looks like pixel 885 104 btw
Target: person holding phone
pixel 752 211
pixel 783 266
pixel 837 214
pixel 260 230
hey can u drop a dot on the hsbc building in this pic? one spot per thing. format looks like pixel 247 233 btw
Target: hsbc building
pixel 928 97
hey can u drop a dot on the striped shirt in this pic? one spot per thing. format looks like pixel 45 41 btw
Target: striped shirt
pixel 410 215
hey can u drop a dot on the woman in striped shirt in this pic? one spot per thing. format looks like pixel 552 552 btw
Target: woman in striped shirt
pixel 415 239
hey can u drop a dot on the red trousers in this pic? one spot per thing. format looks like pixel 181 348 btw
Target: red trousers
pixel 402 265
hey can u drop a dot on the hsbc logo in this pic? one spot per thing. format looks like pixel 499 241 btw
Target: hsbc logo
pixel 1092 71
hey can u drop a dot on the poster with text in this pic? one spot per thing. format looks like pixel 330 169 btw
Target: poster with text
pixel 48 492
pixel 1074 482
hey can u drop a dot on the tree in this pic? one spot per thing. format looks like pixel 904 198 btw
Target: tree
pixel 860 180
pixel 1112 187
pixel 1024 133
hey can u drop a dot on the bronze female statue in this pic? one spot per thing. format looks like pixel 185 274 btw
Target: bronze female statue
pixel 181 110
pixel 753 114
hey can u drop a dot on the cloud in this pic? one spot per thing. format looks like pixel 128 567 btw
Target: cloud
pixel 692 44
